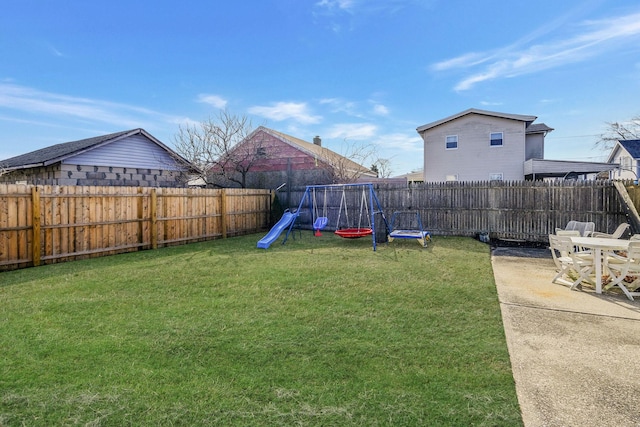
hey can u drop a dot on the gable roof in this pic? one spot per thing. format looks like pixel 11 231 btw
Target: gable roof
pixel 321 153
pixel 632 146
pixel 519 117
pixel 59 152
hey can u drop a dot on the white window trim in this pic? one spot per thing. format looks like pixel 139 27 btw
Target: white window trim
pixel 494 176
pixel 501 139
pixel 446 141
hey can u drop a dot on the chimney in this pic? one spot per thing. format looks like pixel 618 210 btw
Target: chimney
pixel 317 141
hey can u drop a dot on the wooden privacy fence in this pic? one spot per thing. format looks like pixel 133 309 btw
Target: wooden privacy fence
pixel 521 210
pixel 46 224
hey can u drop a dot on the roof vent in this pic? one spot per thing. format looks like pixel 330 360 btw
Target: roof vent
pixel 317 141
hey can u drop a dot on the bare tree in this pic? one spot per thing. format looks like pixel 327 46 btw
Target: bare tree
pixel 346 167
pixel 619 130
pixel 220 148
pixel 383 167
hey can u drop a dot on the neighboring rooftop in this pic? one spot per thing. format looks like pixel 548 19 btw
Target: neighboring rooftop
pixel 317 150
pixel 632 146
pixel 519 117
pixel 56 153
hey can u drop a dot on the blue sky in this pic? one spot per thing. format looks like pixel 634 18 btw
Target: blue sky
pixel 350 71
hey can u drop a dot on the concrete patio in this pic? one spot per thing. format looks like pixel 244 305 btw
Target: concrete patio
pixel 575 354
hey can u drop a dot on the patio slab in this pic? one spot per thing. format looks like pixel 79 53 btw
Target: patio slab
pixel 575 355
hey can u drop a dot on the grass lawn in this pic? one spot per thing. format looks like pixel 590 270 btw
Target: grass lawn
pixel 320 331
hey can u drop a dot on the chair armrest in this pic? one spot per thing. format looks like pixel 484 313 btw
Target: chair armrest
pixel 598 234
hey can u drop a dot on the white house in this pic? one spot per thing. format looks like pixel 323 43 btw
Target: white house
pixel 626 154
pixel 480 145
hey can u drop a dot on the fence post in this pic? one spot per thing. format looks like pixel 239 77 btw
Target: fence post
pixel 153 208
pixel 35 222
pixel 140 207
pixel 223 213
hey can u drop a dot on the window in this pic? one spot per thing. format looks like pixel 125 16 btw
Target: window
pixel 626 162
pixel 452 142
pixel 261 152
pixel 451 178
pixel 496 139
pixel 495 176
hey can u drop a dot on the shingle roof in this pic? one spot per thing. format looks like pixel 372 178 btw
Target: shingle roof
pixel 632 146
pixel 318 151
pixel 538 128
pixel 519 117
pixel 54 153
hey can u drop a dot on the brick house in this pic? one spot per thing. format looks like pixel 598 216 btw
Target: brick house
pixel 276 158
pixel 128 158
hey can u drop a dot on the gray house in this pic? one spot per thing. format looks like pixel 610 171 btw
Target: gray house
pixel 480 145
pixel 128 158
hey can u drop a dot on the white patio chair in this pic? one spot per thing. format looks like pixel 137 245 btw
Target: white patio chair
pixel 570 263
pixel 575 233
pixel 625 270
pixel 585 228
pixel 617 234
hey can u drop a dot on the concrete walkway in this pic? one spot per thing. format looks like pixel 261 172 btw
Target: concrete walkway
pixel 575 354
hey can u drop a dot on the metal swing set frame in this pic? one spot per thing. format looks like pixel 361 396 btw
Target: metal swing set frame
pixel 371 204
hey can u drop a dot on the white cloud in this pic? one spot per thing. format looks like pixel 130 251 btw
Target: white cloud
pixel 55 52
pixel 380 110
pixel 281 111
pixel 47 105
pixel 339 15
pixel 355 131
pixel 339 105
pixel 490 104
pixel 214 100
pixel 346 5
pixel 596 38
pixel 369 6
pixel 400 142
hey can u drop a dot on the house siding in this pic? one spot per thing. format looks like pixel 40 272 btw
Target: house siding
pixel 626 162
pixel 67 174
pixel 534 146
pixel 135 151
pixel 132 161
pixel 475 159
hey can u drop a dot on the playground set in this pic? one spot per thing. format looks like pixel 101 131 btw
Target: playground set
pixel 319 203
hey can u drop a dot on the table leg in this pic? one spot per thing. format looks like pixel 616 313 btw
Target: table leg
pixel 597 259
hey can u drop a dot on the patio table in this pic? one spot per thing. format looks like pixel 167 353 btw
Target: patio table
pixel 598 244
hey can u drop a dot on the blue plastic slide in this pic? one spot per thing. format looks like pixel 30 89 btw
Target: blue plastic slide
pixel 277 229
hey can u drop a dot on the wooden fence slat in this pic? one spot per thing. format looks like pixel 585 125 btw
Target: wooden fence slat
pixel 78 222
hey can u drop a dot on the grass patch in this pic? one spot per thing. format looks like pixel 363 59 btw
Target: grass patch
pixel 320 331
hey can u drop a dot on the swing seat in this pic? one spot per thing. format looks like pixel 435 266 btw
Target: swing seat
pixel 354 233
pixel 321 222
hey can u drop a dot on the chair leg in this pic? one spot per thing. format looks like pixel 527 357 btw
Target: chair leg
pixel 618 281
pixel 559 279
